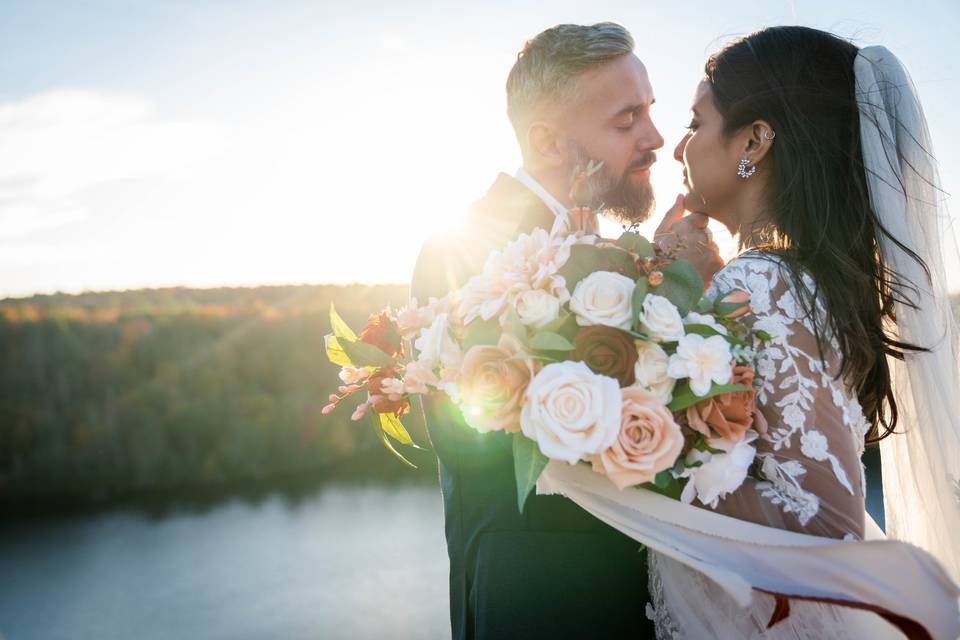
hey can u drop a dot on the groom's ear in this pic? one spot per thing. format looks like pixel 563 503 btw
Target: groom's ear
pixel 544 144
pixel 758 141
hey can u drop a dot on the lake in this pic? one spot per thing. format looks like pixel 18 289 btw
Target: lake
pixel 344 562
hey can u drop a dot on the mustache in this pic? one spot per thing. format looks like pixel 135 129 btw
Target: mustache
pixel 645 160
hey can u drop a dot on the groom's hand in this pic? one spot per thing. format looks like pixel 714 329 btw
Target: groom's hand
pixel 690 239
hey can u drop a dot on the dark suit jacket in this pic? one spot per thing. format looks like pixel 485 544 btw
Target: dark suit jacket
pixel 554 571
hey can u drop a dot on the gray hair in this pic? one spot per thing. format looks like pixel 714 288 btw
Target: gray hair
pixel 547 68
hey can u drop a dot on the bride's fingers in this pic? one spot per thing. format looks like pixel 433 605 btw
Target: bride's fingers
pixel 671 217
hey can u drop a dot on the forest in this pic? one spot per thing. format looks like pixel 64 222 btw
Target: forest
pixel 104 395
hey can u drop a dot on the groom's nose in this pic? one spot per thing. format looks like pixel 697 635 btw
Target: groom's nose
pixel 650 138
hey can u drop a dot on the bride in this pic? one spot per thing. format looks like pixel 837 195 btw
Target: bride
pixel 817 154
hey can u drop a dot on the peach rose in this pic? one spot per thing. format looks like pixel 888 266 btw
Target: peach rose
pixel 492 385
pixel 649 441
pixel 729 415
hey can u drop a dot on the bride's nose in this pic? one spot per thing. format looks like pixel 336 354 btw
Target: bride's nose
pixel 678 150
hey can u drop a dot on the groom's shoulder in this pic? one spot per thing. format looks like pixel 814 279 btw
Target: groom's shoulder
pixel 448 258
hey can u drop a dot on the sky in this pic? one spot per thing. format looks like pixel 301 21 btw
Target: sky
pixel 148 143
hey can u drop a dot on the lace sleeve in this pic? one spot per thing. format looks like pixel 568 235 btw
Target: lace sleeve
pixel 809 459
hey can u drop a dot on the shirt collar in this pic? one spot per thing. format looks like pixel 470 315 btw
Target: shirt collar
pixel 552 203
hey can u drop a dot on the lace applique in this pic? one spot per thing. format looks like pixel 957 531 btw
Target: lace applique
pixel 657 610
pixel 792 378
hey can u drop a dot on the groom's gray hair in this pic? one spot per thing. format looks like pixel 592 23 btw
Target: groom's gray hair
pixel 546 70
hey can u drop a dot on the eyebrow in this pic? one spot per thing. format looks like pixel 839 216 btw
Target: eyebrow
pixel 634 108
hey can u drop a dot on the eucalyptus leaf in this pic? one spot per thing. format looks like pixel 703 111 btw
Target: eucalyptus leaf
pixel 528 464
pixel 546 341
pixel 681 285
pixel 636 243
pixel 585 259
pixel 335 352
pixel 340 328
pixel 365 355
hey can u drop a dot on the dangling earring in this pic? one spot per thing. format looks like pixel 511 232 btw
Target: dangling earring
pixel 742 169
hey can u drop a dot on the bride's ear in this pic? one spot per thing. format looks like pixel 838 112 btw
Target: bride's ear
pixel 544 144
pixel 759 141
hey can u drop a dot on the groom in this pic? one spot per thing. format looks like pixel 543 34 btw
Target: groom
pixel 575 93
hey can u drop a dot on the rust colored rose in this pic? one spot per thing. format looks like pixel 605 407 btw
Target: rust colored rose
pixel 383 333
pixel 729 415
pixel 492 385
pixel 607 351
pixel 381 400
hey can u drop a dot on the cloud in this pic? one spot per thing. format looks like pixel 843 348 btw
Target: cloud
pixel 57 144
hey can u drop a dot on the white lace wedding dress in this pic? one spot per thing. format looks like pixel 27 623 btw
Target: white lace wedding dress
pixel 794 554
pixel 809 460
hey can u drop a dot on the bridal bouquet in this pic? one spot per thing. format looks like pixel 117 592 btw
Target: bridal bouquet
pixel 585 350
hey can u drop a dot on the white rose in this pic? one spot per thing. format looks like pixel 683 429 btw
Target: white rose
pixel 603 297
pixel 571 412
pixel 651 370
pixel 721 473
pixel 537 308
pixel 660 319
pixel 703 360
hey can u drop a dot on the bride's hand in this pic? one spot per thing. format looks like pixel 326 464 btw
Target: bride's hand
pixel 690 239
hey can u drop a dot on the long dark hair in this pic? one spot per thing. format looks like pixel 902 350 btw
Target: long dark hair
pixel 801 81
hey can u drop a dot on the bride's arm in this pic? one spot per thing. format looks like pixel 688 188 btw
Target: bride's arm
pixel 809 459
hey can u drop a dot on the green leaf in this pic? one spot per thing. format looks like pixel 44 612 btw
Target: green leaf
pixel 726 308
pixel 565 325
pixel 763 335
pixel 636 300
pixel 528 464
pixel 392 426
pixel 485 332
pixel 335 352
pixel 665 484
pixel 546 341
pixel 681 285
pixel 705 305
pixel 585 259
pixel 684 397
pixel 636 243
pixel 340 328
pixel 365 355
pixel 386 441
pixel 513 326
pixel 663 479
pixel 704 330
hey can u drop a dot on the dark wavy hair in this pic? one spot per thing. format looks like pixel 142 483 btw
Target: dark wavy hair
pixel 819 216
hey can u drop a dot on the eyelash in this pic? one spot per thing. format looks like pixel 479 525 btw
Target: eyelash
pixel 692 126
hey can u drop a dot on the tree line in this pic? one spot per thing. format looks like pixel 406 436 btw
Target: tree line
pixel 103 394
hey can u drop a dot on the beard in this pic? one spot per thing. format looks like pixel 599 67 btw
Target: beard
pixel 618 196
